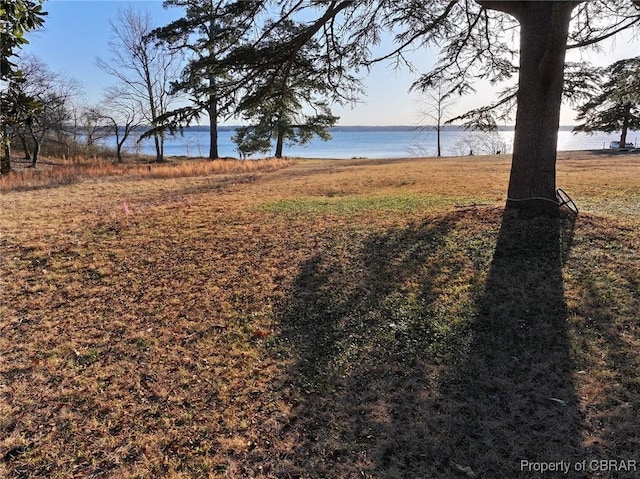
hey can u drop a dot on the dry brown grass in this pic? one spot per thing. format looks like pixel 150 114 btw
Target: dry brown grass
pixel 329 319
pixel 59 172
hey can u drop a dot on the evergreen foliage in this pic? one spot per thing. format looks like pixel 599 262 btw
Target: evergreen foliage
pixel 615 103
pixel 477 41
pixel 275 102
pixel 17 17
pixel 208 32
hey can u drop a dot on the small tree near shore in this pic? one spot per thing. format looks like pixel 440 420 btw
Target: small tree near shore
pixel 276 102
pixel 436 102
pixel 615 104
pixel 122 116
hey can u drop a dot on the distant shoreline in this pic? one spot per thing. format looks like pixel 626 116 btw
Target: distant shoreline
pixel 375 142
pixel 356 128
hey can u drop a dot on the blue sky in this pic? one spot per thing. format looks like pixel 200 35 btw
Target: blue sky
pixel 76 32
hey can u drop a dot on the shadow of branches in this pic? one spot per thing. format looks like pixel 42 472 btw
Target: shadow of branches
pixel 420 354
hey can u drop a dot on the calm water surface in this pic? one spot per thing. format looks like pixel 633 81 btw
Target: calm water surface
pixel 379 142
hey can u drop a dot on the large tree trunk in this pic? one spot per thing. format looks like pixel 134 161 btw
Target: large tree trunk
pixel 544 28
pixel 158 141
pixel 158 138
pixel 281 130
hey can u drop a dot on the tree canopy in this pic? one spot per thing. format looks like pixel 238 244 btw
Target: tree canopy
pixel 479 40
pixel 615 103
pixel 288 102
pixel 207 32
pixel 52 93
pixel 17 17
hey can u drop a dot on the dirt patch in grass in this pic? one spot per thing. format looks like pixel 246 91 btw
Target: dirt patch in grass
pixel 330 319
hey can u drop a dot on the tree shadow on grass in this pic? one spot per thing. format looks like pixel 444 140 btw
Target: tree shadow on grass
pixel 419 356
pixel 512 401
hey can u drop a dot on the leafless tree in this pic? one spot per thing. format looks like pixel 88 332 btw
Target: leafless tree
pixel 436 102
pixel 143 69
pixel 73 129
pixel 93 125
pixel 54 92
pixel 122 116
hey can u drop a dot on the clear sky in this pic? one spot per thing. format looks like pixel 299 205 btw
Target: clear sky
pixel 76 32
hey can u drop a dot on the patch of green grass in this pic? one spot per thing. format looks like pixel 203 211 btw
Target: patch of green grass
pixel 408 203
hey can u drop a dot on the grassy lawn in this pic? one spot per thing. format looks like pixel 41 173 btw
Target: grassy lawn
pixel 347 319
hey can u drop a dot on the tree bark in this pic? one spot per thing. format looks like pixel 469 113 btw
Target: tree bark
pixel 158 138
pixel 37 142
pixel 119 143
pixel 625 125
pixel 36 152
pixel 213 125
pixel 280 142
pixel 212 107
pixel 5 161
pixel 544 28
pixel 25 147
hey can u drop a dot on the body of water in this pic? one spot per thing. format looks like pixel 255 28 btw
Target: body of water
pixel 377 142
